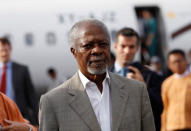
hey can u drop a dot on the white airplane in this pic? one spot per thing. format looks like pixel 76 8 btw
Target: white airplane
pixel 38 29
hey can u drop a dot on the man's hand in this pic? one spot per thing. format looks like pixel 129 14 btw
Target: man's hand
pixel 136 75
pixel 15 126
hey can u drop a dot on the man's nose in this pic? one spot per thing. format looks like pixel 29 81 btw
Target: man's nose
pixel 126 50
pixel 97 50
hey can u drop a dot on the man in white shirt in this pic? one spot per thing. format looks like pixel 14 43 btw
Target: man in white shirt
pixel 95 99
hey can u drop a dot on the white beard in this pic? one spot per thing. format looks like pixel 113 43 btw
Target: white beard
pixel 94 71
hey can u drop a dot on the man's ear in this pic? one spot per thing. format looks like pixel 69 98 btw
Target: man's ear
pixel 73 51
pixel 115 46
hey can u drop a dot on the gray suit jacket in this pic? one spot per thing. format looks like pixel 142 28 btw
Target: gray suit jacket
pixel 68 108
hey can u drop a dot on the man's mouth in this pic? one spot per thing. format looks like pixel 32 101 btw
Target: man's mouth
pixel 97 62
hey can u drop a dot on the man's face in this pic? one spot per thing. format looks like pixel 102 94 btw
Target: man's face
pixel 156 66
pixel 125 49
pixel 92 50
pixel 146 14
pixel 177 63
pixel 5 52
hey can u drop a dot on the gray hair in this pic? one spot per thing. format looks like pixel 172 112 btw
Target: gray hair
pixel 75 30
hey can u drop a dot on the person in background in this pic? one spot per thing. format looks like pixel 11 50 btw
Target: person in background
pixel 11 118
pixel 150 32
pixel 156 65
pixel 176 97
pixel 126 46
pixel 54 81
pixel 16 83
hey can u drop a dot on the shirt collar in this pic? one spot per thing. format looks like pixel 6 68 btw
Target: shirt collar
pixel 8 64
pixel 188 71
pixel 117 66
pixel 86 81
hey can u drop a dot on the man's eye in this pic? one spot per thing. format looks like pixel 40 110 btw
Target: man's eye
pixel 132 47
pixel 87 46
pixel 103 44
pixel 122 46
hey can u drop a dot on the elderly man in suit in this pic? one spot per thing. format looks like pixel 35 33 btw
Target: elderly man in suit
pixel 95 99
pixel 15 82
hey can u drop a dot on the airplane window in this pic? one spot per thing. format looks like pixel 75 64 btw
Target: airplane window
pixel 29 39
pixel 61 18
pixel 50 38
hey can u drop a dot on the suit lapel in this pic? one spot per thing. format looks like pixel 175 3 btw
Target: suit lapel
pixel 80 103
pixel 118 102
pixel 14 75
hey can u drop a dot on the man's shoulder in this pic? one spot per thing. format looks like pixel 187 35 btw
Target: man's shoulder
pixel 61 94
pixel 170 78
pixel 61 90
pixel 128 83
pixel 18 65
pixel 168 81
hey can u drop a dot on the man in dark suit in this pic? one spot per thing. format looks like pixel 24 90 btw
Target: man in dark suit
pixel 95 99
pixel 16 83
pixel 125 47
